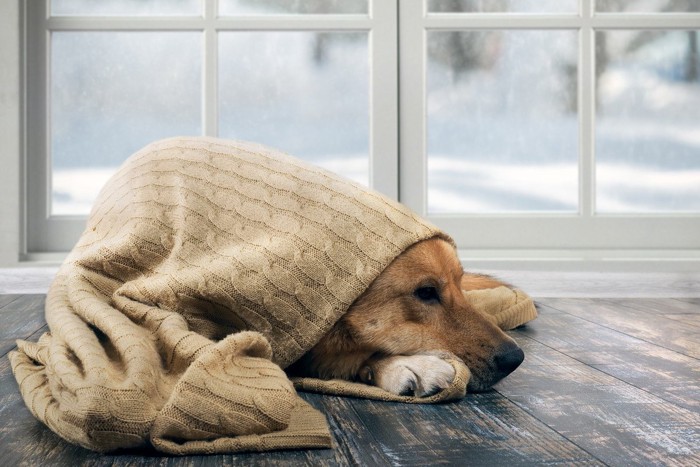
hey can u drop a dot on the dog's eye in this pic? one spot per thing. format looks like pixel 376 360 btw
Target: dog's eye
pixel 428 294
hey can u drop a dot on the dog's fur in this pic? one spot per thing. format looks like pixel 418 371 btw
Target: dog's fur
pixel 399 332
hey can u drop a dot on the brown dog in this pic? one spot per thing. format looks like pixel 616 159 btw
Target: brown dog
pixel 398 333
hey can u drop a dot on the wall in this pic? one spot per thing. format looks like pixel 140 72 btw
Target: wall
pixel 10 131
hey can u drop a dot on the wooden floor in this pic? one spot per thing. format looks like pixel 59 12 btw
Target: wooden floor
pixel 604 382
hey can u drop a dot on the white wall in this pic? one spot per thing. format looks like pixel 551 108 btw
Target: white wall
pixel 10 131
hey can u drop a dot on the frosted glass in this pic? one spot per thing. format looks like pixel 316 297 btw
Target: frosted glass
pixel 648 6
pixel 305 93
pixel 254 7
pixel 495 6
pixel 111 93
pixel 648 121
pixel 502 122
pixel 126 7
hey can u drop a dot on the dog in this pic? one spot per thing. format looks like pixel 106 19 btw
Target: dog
pixel 398 334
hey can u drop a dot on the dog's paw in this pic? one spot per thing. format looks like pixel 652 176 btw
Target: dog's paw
pixel 409 375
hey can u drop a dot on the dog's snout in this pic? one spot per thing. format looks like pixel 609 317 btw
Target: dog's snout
pixel 508 358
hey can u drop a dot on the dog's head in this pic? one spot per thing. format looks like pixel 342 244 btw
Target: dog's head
pixel 417 304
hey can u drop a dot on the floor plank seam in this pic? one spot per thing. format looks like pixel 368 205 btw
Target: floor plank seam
pixel 598 369
pixel 17 297
pixel 627 306
pixel 579 399
pixel 369 431
pixel 545 424
pixel 621 332
pixel 626 383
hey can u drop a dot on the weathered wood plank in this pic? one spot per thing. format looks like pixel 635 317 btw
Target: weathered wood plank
pixel 589 392
pixel 576 337
pixel 351 434
pixel 481 429
pixel 662 306
pixel 633 321
pixel 489 425
pixel 5 299
pixel 662 372
pixel 614 421
pixel 687 319
pixel 612 397
pixel 685 312
pixel 20 318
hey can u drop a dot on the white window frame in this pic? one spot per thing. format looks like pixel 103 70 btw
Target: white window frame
pixel 45 232
pixel 396 30
pixel 509 238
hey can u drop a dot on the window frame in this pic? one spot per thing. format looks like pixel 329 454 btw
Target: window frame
pixel 45 232
pixel 577 236
pixel 396 38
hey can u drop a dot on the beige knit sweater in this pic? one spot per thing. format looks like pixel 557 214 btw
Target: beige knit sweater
pixel 206 267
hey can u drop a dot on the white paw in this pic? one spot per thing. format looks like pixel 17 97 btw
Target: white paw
pixel 413 375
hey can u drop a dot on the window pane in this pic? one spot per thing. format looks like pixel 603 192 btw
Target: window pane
pixel 255 7
pixel 646 6
pixel 648 122
pixel 112 93
pixel 125 7
pixel 495 6
pixel 305 93
pixel 502 121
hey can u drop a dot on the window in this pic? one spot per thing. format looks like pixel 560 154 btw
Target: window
pixel 554 128
pixel 315 79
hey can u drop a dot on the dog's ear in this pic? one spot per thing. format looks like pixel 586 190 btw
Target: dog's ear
pixel 471 281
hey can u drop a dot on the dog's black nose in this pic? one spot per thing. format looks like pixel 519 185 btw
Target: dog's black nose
pixel 508 358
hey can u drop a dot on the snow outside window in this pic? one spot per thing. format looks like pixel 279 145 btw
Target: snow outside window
pixel 567 125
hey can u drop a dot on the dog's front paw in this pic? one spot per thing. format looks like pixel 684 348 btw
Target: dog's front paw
pixel 409 375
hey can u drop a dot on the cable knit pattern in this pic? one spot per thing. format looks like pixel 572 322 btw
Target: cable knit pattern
pixel 206 267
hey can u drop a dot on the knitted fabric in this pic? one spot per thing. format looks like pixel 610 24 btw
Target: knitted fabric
pixel 206 267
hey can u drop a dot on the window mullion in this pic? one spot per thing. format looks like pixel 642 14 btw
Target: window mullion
pixel 587 83
pixel 38 161
pixel 210 116
pixel 645 20
pixel 383 105
pixel 116 23
pixel 495 21
pixel 412 121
